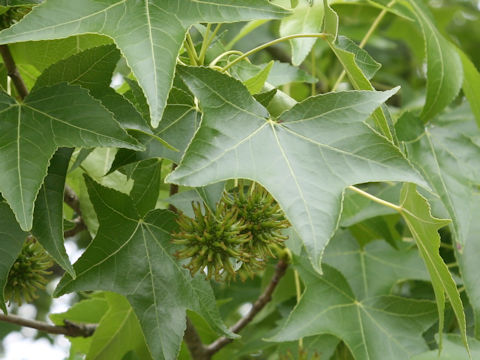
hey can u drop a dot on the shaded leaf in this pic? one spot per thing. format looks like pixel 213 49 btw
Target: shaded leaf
pixel 146 186
pixel 42 54
pixel 92 69
pixel 264 98
pixel 48 215
pixel 238 140
pixel 11 242
pixel 179 123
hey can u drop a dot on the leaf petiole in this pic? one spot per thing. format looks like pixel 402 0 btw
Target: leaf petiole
pixel 270 43
pixel 376 199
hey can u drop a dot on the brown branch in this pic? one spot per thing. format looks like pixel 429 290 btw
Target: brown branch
pixel 197 349
pixel 69 328
pixel 79 226
pixel 173 191
pixel 13 72
pixel 71 199
pixel 263 300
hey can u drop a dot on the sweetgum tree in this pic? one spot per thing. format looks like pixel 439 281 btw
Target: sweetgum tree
pixel 262 179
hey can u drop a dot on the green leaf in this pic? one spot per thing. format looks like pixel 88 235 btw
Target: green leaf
pixel 48 215
pixel 146 187
pixel 363 60
pixel 424 228
pixel 306 19
pixel 374 269
pixel 255 83
pixel 305 160
pixel 31 131
pixel 42 54
pixel 11 242
pixel 330 23
pixel 453 349
pixel 118 332
pixel 284 73
pixel 444 67
pixel 133 257
pixel 359 65
pixel 378 327
pixel 471 84
pixel 280 74
pixel 92 69
pixel 448 155
pixel 148 34
pixel 179 123
pixel 468 263
pixel 89 311
pixel 264 98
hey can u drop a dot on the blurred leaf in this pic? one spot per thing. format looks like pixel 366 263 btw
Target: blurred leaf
pixel 471 85
pixel 444 67
pixel 468 262
pixel 306 19
pixel 255 83
pixel 453 349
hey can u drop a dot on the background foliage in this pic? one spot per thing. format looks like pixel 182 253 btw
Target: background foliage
pixel 360 118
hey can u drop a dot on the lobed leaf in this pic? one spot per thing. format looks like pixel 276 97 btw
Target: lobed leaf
pixel 305 160
pixel 149 34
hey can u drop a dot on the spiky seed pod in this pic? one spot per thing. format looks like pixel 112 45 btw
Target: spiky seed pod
pixel 263 218
pixel 212 241
pixel 28 273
